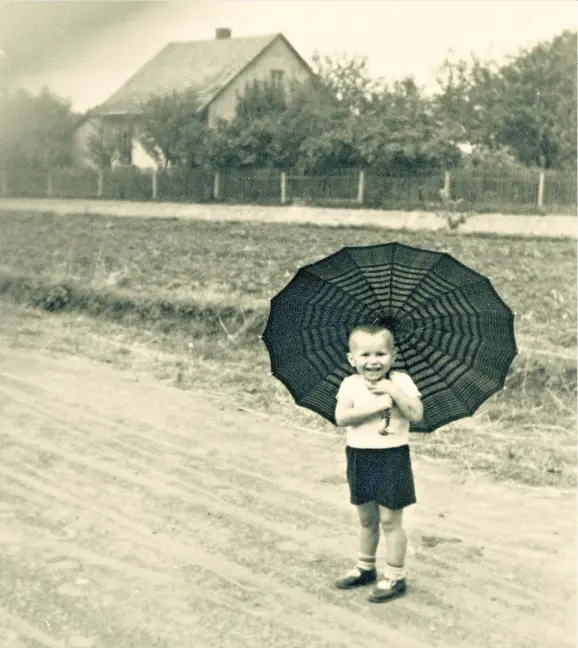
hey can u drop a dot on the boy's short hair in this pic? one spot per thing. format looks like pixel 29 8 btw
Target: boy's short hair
pixel 372 329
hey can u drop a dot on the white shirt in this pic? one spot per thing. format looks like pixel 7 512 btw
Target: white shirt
pixel 366 435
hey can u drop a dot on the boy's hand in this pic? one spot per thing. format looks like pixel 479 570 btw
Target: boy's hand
pixel 380 387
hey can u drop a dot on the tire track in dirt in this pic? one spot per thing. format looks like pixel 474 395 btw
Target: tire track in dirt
pixel 48 448
pixel 29 631
pixel 172 474
pixel 205 455
pixel 316 613
pixel 236 516
pixel 304 538
pixel 199 455
pixel 217 465
pixel 185 552
pixel 423 612
pixel 215 468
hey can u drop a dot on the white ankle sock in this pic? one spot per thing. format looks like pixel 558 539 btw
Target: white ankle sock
pixel 366 563
pixel 393 573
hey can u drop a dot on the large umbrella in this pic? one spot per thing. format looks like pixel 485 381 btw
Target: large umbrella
pixel 454 334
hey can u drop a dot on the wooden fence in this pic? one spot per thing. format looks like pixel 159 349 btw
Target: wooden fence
pixel 478 191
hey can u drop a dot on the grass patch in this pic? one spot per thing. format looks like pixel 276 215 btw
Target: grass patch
pixel 194 297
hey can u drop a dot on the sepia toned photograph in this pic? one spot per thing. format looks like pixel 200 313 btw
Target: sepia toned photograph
pixel 288 323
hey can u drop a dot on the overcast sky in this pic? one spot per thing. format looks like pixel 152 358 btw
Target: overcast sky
pixel 86 50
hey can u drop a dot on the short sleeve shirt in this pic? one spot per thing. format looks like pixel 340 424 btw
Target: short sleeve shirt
pixel 366 435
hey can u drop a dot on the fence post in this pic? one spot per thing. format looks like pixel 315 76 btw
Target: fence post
pixel 361 187
pixel 216 188
pixel 3 183
pixel 155 184
pixel 541 189
pixel 100 183
pixel 283 187
pixel 447 185
pixel 49 186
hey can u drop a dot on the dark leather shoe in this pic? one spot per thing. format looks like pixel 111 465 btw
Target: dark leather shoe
pixel 356 578
pixel 387 590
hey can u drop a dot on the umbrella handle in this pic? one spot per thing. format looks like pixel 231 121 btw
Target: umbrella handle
pixel 386 418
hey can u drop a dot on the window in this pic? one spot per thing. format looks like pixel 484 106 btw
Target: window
pixel 277 76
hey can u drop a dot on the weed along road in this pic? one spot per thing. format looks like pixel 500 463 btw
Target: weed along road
pixel 136 514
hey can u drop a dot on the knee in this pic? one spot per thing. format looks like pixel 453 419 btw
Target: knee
pixel 369 521
pixel 390 523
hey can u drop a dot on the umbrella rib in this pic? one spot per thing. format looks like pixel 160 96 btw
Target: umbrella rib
pixel 417 285
pixel 366 282
pixel 454 289
pixel 444 255
pixel 313 347
pixel 426 360
pixel 443 381
pixel 422 324
pixel 341 290
pixel 333 371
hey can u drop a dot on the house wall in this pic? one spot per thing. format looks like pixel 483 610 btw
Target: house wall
pixel 140 158
pixel 279 56
pixel 80 139
pixel 85 131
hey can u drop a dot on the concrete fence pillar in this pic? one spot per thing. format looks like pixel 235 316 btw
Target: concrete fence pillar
pixel 361 187
pixel 448 185
pixel 154 184
pixel 283 187
pixel 541 182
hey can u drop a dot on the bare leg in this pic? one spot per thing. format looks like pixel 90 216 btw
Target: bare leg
pixel 369 530
pixel 364 571
pixel 392 584
pixel 395 536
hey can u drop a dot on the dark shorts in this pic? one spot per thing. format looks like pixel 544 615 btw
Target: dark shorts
pixel 382 475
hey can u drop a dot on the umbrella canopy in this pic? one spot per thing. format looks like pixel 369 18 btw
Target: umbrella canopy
pixel 454 334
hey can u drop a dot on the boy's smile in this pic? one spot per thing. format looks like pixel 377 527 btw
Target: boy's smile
pixel 372 354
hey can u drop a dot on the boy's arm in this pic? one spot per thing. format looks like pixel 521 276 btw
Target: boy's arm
pixel 346 414
pixel 410 406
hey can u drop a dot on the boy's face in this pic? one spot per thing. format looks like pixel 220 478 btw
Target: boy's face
pixel 372 354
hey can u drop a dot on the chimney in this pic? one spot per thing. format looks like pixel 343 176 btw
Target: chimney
pixel 222 33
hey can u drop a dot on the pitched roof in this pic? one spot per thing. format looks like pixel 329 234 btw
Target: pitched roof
pixel 203 66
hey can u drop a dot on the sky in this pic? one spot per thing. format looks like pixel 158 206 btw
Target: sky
pixel 85 50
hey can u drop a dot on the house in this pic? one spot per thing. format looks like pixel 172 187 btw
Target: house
pixel 218 71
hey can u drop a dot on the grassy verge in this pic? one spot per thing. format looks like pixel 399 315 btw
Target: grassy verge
pixel 188 299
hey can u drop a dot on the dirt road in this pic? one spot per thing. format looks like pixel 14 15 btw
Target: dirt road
pixel 518 225
pixel 133 514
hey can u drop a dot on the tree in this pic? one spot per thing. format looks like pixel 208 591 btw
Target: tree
pixel 36 130
pixel 275 127
pixel 171 130
pixel 346 78
pixel 540 103
pixel 469 100
pixel 260 100
pixel 401 132
pixel 250 139
pixel 526 106
pixel 111 145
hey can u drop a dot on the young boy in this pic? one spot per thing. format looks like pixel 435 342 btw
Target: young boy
pixel 378 461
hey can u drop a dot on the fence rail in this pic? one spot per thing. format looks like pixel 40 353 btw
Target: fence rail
pixel 478 191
